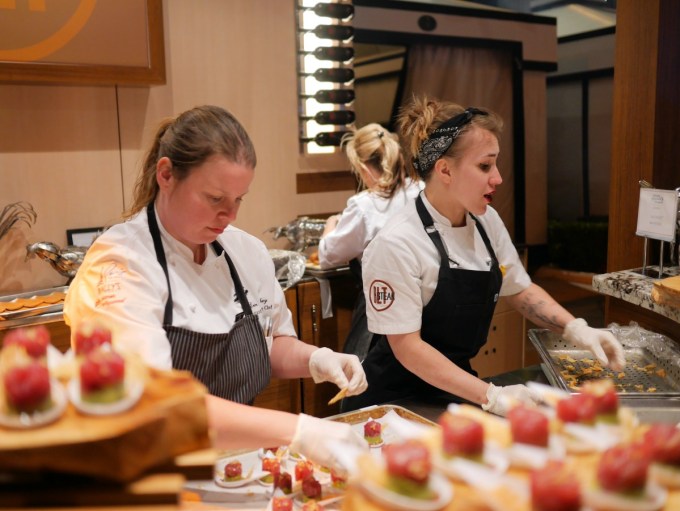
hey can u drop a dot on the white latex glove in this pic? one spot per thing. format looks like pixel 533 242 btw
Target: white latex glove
pixel 501 399
pixel 313 435
pixel 606 348
pixel 339 368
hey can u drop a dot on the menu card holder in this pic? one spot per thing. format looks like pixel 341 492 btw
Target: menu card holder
pixel 657 219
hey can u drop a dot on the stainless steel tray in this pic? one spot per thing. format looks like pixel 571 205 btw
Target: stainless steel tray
pixel 377 411
pixel 32 311
pixel 652 363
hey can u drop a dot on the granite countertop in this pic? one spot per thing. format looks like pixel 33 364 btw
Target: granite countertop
pixel 634 287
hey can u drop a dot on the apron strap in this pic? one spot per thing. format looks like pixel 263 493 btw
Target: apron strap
pixel 160 256
pixel 428 223
pixel 485 239
pixel 240 292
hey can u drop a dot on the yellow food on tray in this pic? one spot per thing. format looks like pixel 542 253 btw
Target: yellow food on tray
pixel 667 292
pixel 32 302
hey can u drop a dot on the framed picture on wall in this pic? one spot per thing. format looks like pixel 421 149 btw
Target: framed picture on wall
pixel 82 41
pixel 83 237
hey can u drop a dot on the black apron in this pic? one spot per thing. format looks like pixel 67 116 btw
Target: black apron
pixel 233 365
pixel 455 321
pixel 359 338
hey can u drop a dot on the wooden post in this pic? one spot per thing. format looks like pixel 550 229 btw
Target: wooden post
pixel 646 121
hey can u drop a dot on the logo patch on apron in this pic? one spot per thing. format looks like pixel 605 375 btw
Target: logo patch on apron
pixel 381 295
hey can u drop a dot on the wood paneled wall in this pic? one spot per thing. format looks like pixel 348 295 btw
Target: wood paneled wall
pixel 74 151
pixel 646 118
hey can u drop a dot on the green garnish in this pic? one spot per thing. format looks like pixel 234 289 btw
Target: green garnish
pixel 411 489
pixel 373 440
pixel 107 395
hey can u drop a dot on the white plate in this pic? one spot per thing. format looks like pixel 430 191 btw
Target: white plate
pixel 34 420
pixel 251 475
pixel 255 476
pixel 654 499
pixel 281 453
pixel 438 484
pixel 133 390
pixel 251 469
pixel 493 458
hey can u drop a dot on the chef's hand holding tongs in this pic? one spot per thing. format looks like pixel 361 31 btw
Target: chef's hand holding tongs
pixel 602 343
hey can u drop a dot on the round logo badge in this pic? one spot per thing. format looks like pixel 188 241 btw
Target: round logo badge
pixel 381 295
pixel 40 29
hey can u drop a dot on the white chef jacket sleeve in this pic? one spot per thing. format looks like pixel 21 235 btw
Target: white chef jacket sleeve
pixel 516 279
pixel 391 277
pixel 282 320
pixel 347 241
pixel 117 285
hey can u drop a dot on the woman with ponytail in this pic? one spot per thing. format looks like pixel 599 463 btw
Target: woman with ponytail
pixel 376 159
pixel 434 272
pixel 184 289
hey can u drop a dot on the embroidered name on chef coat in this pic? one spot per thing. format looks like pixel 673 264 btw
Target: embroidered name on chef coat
pixel 110 285
pixel 381 295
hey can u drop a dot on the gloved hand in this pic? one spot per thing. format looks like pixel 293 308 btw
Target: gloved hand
pixel 343 370
pixel 312 437
pixel 606 348
pixel 501 399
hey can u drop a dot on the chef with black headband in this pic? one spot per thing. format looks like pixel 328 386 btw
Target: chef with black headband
pixel 434 273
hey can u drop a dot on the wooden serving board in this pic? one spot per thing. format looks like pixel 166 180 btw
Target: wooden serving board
pixel 170 419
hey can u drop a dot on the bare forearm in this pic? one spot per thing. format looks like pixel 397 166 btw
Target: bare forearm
pixel 433 367
pixel 290 358
pixel 237 426
pixel 536 305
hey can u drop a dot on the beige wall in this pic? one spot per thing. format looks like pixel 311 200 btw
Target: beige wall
pixel 73 151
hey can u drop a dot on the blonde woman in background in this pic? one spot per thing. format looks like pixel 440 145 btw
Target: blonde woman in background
pixel 376 159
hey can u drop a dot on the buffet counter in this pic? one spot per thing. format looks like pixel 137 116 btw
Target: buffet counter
pixel 634 287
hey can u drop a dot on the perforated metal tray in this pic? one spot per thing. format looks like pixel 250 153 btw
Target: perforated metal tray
pixel 652 363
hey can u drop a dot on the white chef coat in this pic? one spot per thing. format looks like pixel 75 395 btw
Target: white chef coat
pixel 122 283
pixel 365 214
pixel 401 265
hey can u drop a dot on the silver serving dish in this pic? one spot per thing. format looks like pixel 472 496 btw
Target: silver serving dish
pixel 302 232
pixel 652 363
pixel 26 312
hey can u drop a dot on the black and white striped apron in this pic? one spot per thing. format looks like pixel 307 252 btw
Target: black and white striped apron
pixel 233 365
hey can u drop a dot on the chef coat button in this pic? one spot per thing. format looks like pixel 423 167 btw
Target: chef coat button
pixel 192 308
pixel 172 261
pixel 495 298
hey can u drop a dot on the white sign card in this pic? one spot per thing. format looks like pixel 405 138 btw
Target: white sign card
pixel 657 214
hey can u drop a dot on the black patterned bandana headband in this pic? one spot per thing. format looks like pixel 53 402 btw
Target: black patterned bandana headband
pixel 441 139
